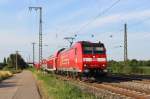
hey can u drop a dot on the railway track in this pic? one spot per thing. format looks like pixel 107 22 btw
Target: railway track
pixel 142 81
pixel 145 89
pixel 116 89
pixel 123 91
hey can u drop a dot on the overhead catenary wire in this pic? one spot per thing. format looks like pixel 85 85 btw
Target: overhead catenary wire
pixel 133 25
pixel 99 14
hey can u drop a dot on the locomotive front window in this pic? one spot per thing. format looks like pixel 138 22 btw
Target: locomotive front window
pixel 98 50
pixel 88 50
pixel 93 50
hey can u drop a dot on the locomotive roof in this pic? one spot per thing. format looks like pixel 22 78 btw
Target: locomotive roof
pixel 90 43
pixel 81 42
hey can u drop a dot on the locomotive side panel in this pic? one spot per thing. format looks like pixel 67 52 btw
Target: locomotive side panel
pixel 71 59
pixel 71 64
pixel 78 57
pixel 75 58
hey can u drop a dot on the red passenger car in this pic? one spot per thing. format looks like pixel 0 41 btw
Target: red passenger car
pixel 44 64
pixel 37 66
pixel 51 63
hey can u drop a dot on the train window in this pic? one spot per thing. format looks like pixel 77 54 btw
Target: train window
pixel 88 50
pixel 98 50
pixel 93 49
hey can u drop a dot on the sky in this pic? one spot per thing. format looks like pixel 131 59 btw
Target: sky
pixel 67 18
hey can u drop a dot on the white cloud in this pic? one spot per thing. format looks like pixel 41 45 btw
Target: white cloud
pixel 106 20
pixel 137 15
pixel 10 40
pixel 102 21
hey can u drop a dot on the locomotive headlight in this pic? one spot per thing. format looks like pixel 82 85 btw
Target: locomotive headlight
pixel 103 65
pixel 101 59
pixel 87 59
pixel 85 65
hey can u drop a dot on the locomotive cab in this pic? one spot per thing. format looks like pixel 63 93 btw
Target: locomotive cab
pixel 94 57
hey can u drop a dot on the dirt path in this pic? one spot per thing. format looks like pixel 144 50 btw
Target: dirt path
pixel 20 86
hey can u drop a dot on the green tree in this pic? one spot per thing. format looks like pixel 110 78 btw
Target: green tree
pixel 11 60
pixel 4 62
pixel 148 63
pixel 133 62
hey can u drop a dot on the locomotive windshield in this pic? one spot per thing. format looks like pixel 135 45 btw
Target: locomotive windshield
pixel 98 50
pixel 93 49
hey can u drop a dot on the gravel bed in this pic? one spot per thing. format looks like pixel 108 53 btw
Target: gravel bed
pixel 141 87
pixel 99 93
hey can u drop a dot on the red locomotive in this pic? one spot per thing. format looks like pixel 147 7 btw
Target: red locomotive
pixel 82 58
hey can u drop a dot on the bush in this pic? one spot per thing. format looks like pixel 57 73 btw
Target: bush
pixel 5 74
pixel 130 67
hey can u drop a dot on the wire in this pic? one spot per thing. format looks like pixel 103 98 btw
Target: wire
pixel 100 14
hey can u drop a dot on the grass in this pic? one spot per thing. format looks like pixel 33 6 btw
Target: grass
pixel 5 74
pixel 141 70
pixel 54 88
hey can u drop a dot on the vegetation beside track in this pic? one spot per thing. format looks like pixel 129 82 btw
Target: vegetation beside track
pixel 5 74
pixel 8 66
pixel 54 88
pixel 12 70
pixel 130 67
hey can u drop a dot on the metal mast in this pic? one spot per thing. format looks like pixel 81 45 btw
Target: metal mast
pixel 16 60
pixel 33 51
pixel 40 31
pixel 125 43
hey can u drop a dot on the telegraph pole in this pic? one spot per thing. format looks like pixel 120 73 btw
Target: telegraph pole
pixel 33 51
pixel 40 31
pixel 125 44
pixel 16 60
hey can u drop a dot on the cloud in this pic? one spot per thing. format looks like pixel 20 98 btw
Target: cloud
pixel 67 29
pixel 20 33
pixel 105 20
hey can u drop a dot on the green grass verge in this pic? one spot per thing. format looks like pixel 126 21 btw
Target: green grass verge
pixel 141 70
pixel 59 89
